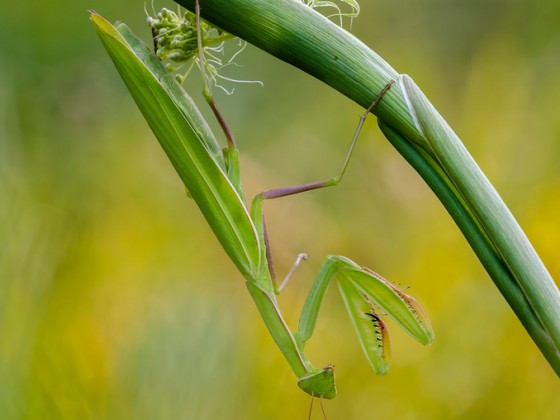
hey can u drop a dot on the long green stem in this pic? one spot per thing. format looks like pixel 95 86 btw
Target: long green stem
pixel 477 238
pixel 296 34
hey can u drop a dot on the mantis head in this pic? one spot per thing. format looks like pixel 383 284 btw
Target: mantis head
pixel 320 383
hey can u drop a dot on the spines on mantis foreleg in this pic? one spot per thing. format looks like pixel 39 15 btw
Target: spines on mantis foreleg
pixel 380 330
pixel 402 308
pixel 361 288
pixel 370 329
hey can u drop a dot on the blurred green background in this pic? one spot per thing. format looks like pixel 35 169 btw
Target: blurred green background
pixel 117 302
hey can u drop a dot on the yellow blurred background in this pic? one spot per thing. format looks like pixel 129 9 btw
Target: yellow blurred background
pixel 117 302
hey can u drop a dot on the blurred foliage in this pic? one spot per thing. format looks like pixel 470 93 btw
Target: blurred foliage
pixel 117 302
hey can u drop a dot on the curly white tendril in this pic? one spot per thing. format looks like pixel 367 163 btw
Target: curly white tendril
pixel 352 6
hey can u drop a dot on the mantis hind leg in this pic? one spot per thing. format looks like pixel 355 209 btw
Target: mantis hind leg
pixel 257 205
pixel 283 192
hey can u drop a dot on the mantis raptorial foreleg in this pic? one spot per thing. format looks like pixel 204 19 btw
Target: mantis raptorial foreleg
pixel 362 290
pixel 212 176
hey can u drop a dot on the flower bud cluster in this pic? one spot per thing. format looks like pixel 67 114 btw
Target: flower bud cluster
pixel 176 42
pixel 174 36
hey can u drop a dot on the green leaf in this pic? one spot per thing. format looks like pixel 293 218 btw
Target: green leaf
pixel 187 141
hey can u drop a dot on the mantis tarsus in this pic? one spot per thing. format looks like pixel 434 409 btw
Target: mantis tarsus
pixel 212 177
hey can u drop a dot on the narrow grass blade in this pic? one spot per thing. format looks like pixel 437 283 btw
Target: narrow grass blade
pixel 183 136
pixel 493 215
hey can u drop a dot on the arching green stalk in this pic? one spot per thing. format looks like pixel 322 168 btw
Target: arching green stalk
pixel 298 35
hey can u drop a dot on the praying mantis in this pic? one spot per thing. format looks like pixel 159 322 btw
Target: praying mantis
pixel 212 176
